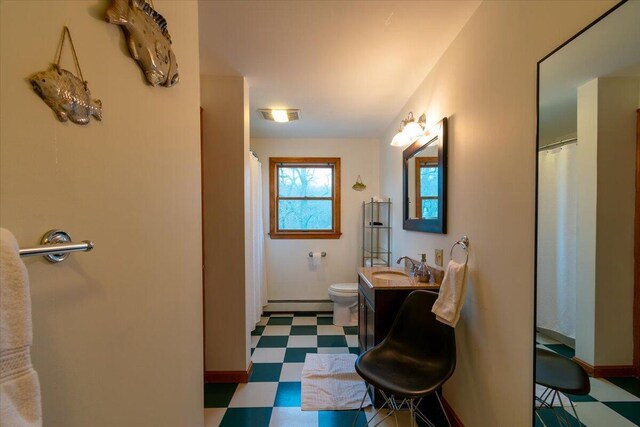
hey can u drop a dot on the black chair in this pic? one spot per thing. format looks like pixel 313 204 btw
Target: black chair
pixel 413 361
pixel 559 375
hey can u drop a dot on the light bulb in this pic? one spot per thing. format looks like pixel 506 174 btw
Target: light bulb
pixel 412 130
pixel 400 140
pixel 280 116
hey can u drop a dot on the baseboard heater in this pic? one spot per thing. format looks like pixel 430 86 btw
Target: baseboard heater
pixel 568 341
pixel 299 305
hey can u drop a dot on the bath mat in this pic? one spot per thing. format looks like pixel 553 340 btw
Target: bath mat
pixel 540 390
pixel 330 382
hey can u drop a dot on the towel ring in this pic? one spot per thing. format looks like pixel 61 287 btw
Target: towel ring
pixel 464 242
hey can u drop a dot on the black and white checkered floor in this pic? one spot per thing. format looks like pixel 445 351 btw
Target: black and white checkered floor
pixel 280 343
pixel 612 401
pixel 272 395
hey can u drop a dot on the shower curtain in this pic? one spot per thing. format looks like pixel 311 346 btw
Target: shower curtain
pixel 557 245
pixel 258 292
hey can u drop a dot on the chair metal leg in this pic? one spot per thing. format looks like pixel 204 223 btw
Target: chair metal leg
pixel 565 413
pixel 394 407
pixel 575 412
pixel 540 418
pixel 389 401
pixel 443 411
pixel 360 407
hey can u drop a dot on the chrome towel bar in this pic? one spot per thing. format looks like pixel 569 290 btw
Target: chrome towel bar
pixel 322 254
pixel 464 243
pixel 56 246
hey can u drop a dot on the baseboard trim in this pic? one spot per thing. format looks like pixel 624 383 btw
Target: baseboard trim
pixel 228 376
pixel 453 417
pixel 295 306
pixel 606 370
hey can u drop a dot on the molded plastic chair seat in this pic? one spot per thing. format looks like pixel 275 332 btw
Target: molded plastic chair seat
pixel 559 373
pixel 393 370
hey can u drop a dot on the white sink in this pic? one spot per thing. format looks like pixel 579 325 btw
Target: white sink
pixel 390 275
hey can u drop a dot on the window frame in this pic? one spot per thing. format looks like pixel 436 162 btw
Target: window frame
pixel 274 164
pixel 429 162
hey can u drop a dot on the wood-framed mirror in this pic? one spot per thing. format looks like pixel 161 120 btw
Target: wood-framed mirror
pixel 424 181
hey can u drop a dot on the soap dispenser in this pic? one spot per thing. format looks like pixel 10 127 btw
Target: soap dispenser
pixel 422 272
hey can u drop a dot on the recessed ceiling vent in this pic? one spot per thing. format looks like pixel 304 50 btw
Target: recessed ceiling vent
pixel 280 116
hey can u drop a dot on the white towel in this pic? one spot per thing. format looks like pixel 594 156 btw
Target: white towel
pixel 19 386
pixel 330 382
pixel 448 306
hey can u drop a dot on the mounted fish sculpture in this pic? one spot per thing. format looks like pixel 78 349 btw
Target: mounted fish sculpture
pixel 148 40
pixel 67 95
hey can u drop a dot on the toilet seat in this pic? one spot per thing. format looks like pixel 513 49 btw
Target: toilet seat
pixel 344 288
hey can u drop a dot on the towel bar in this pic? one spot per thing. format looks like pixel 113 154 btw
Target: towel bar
pixel 322 254
pixel 56 246
pixel 464 242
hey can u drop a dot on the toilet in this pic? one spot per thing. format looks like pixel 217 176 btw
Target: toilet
pixel 345 303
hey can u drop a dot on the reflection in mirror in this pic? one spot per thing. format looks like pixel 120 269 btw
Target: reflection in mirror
pixel 587 303
pixel 423 188
pixel 425 181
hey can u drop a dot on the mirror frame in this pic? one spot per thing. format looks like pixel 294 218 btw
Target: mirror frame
pixel 439 134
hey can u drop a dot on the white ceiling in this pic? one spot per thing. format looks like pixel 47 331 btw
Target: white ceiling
pixel 611 48
pixel 350 66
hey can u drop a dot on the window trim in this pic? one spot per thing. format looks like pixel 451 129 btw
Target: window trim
pixel 428 162
pixel 274 233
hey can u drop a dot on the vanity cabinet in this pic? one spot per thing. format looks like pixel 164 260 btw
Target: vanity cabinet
pixel 377 311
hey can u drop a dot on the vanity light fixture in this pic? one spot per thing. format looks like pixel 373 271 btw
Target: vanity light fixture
pixel 280 115
pixel 409 131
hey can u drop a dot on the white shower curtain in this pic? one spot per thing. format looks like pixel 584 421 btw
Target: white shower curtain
pixel 557 245
pixel 259 273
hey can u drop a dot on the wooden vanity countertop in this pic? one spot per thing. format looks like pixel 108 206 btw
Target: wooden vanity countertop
pixel 366 273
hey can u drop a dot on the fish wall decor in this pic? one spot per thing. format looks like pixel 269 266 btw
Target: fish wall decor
pixel 66 94
pixel 148 40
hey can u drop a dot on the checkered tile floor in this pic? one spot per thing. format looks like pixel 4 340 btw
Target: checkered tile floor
pixel 612 401
pixel 272 396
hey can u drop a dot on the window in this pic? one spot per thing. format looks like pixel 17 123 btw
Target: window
pixel 427 187
pixel 305 198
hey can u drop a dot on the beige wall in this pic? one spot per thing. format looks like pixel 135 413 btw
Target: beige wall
pixel 225 157
pixel 485 83
pixel 118 331
pixel 586 220
pixel 290 274
pixel 615 215
pixel 606 168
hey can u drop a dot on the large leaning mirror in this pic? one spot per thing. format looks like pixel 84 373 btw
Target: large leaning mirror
pixel 425 181
pixel 587 288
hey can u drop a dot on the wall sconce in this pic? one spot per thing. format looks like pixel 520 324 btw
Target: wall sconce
pixel 409 131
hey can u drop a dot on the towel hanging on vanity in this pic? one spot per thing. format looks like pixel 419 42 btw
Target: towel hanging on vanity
pixel 450 300
pixel 19 385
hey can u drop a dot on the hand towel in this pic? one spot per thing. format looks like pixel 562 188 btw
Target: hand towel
pixel 19 385
pixel 448 306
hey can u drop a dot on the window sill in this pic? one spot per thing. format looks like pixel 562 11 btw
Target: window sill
pixel 309 235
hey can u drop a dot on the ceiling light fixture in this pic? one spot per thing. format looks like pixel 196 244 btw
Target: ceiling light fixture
pixel 280 115
pixel 409 131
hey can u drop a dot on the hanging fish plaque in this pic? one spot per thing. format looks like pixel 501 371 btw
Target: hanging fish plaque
pixel 148 40
pixel 67 95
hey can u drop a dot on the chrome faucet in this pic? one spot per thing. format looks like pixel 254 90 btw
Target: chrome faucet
pixel 418 268
pixel 414 263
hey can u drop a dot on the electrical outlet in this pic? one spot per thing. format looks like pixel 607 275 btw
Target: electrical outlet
pixel 439 257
